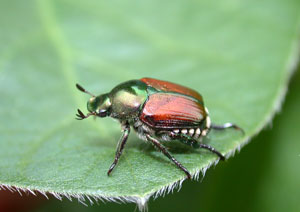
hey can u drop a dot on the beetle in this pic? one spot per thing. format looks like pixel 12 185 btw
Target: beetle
pixel 157 111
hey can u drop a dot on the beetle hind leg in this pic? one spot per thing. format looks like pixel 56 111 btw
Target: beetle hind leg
pixel 226 126
pixel 163 149
pixel 186 139
pixel 213 150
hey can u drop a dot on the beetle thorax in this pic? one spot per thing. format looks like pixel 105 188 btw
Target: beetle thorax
pixel 127 100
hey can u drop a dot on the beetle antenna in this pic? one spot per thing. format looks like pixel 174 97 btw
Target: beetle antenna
pixel 81 116
pixel 79 87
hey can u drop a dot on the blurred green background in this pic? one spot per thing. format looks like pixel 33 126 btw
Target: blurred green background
pixel 233 45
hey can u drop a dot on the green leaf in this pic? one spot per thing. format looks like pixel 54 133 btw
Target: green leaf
pixel 271 182
pixel 237 54
pixel 263 177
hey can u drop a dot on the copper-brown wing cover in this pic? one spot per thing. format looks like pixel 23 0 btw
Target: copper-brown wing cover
pixel 169 110
pixel 171 87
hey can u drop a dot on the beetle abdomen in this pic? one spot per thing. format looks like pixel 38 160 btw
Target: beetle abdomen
pixel 172 111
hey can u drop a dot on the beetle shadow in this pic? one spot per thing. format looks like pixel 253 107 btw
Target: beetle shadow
pixel 173 147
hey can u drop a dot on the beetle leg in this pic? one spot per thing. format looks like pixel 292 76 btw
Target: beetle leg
pixel 120 147
pixel 225 126
pixel 163 149
pixel 213 150
pixel 186 139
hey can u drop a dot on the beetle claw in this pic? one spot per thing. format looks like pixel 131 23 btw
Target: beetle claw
pixel 189 176
pixel 240 129
pixel 222 157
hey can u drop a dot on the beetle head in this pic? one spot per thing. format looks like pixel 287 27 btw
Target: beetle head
pixel 99 105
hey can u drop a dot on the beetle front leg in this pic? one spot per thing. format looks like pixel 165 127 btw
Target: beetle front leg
pixel 156 143
pixel 120 147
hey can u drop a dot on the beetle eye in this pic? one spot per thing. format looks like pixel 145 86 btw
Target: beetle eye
pixel 102 113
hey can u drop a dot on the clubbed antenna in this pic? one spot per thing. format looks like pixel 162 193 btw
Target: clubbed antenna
pixel 79 87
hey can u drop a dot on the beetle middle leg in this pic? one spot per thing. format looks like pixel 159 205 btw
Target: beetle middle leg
pixel 186 139
pixel 163 149
pixel 120 147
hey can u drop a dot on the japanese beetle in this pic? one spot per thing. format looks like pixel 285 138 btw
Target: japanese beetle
pixel 158 111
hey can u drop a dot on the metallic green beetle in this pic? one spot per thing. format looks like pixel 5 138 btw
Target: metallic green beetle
pixel 157 110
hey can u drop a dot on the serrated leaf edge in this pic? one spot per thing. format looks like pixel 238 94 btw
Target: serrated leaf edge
pixel 290 66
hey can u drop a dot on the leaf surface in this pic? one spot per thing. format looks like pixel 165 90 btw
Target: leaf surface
pixel 237 54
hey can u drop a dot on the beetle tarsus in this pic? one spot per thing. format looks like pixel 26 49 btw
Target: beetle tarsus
pixel 188 175
pixel 226 126
pixel 111 168
pixel 81 116
pixel 213 150
pixel 222 157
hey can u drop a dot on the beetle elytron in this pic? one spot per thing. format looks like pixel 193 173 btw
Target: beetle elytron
pixel 157 110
